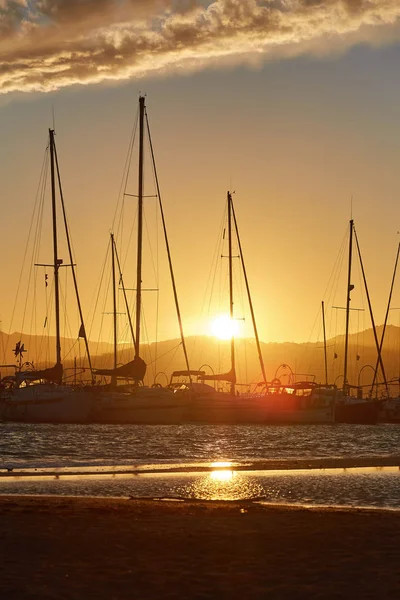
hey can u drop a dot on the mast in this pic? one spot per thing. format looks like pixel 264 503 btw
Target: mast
pixel 349 289
pixel 231 287
pixel 140 228
pixel 325 355
pixel 113 377
pixel 57 261
pixel 260 358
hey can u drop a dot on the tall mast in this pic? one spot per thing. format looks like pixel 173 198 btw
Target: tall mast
pixel 325 355
pixel 140 228
pixel 253 318
pixel 55 248
pixel 113 378
pixel 231 287
pixel 349 288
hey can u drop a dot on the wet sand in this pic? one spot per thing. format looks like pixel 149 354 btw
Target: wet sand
pixel 79 548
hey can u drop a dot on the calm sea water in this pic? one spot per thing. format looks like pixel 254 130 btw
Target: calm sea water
pixel 129 460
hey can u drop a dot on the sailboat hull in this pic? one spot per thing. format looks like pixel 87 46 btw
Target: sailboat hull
pixel 146 406
pixel 267 410
pixel 363 413
pixel 46 403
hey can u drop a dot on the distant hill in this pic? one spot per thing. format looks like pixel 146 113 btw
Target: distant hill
pixel 306 360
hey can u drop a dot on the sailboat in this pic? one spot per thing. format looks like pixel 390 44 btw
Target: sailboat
pixel 276 403
pixel 134 402
pixel 40 396
pixel 349 409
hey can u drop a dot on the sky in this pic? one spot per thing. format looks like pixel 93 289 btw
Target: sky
pixel 292 104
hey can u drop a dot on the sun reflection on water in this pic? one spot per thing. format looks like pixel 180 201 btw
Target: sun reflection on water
pixel 223 484
pixel 223 475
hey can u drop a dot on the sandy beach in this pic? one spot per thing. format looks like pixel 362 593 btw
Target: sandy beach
pixel 77 548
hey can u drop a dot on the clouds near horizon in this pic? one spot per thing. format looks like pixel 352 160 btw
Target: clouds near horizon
pixel 49 44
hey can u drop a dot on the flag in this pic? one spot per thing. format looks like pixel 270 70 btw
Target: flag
pixel 82 333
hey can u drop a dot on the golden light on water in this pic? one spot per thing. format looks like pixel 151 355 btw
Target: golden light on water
pixel 223 484
pixel 223 463
pixel 222 475
pixel 224 328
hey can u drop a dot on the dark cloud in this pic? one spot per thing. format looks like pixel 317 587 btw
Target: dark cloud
pixel 47 44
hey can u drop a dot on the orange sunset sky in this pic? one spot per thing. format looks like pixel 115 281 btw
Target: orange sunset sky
pixel 294 105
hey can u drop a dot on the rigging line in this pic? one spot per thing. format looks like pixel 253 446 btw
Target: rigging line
pixel 331 298
pixel 371 315
pixel 211 280
pixel 177 307
pixel 128 246
pixel 174 348
pixel 73 270
pixel 172 357
pixel 96 297
pixel 125 174
pixel 387 310
pixel 150 248
pixel 157 273
pixel 96 293
pixel 218 261
pixel 35 224
pixel 27 243
pixel 338 257
pixel 146 331
pixel 124 293
pixel 260 357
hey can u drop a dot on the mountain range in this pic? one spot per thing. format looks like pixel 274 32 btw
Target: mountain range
pixel 304 360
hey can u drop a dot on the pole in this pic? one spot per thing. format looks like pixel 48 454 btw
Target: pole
pixel 55 250
pixel 325 355
pixel 140 229
pixel 113 377
pixel 349 288
pixel 233 369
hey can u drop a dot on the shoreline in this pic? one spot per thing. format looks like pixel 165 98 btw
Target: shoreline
pixel 80 547
pixel 256 465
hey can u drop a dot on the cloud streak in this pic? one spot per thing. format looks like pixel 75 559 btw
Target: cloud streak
pixel 49 44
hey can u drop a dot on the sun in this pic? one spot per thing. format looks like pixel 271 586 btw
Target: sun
pixel 224 328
